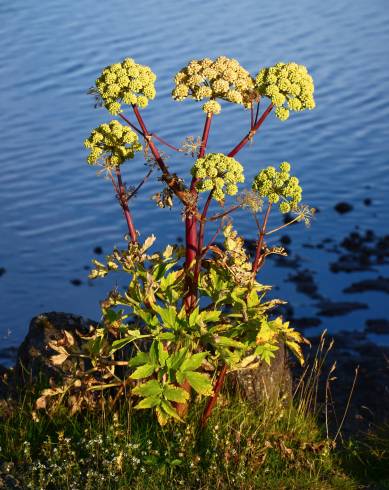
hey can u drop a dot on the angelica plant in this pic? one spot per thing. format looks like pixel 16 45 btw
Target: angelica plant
pixel 190 314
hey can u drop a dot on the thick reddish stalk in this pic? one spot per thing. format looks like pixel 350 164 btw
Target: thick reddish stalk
pixel 124 204
pixel 212 402
pixel 200 242
pixel 191 223
pixel 257 260
pixel 249 135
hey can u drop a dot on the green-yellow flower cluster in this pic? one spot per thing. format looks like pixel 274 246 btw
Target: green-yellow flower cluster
pixel 223 78
pixel 289 86
pixel 218 173
pixel 126 82
pixel 279 187
pixel 112 144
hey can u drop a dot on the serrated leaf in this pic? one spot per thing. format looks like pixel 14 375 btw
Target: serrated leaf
pixel 193 362
pixel 168 408
pixel 200 382
pixel 143 371
pixel 176 359
pixel 266 352
pixel 166 336
pixel 150 388
pixel 163 354
pixel 138 360
pixel 228 342
pixel 148 402
pixel 210 316
pixel 296 349
pixel 161 416
pixel 175 394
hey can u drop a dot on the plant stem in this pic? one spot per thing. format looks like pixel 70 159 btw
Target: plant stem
pixel 257 260
pixel 212 402
pixel 200 242
pixel 171 180
pixel 191 240
pixel 249 135
pixel 124 204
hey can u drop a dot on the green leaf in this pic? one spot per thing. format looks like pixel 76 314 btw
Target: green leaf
pixel 163 354
pixel 143 371
pixel 210 316
pixel 168 315
pixel 193 317
pixel 193 362
pixel 168 408
pixel 175 394
pixel 151 388
pixel 227 342
pixel 131 335
pixel 266 352
pixel 199 382
pixel 138 360
pixel 176 359
pixel 166 336
pixel 149 402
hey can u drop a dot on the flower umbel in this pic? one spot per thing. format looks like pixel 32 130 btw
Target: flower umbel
pixel 218 173
pixel 279 187
pixel 223 78
pixel 111 144
pixel 126 82
pixel 289 86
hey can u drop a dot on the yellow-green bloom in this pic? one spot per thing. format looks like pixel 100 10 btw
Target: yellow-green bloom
pixel 223 78
pixel 219 173
pixel 279 186
pixel 111 144
pixel 126 82
pixel 289 86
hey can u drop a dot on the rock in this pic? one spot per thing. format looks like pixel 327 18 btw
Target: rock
pixel 334 308
pixel 33 358
pixel 379 326
pixel 2 271
pixel 264 382
pixel 305 283
pixel 378 284
pixel 367 201
pixel 285 240
pixel 98 250
pixel 343 207
pixel 288 262
pixel 306 322
pixel 76 282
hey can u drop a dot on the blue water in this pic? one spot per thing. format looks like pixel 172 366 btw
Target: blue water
pixel 55 210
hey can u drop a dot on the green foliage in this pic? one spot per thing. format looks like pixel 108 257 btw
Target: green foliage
pixel 186 315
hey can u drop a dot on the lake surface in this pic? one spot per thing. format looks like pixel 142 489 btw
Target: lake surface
pixel 55 210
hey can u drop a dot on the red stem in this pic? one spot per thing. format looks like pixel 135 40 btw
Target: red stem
pixel 212 402
pixel 191 222
pixel 200 242
pixel 249 135
pixel 257 260
pixel 124 204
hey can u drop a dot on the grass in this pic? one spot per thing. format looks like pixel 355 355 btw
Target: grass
pixel 243 447
pixel 278 444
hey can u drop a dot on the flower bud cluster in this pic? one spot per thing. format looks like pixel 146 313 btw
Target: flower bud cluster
pixel 289 86
pixel 126 82
pixel 279 187
pixel 223 78
pixel 112 144
pixel 218 173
